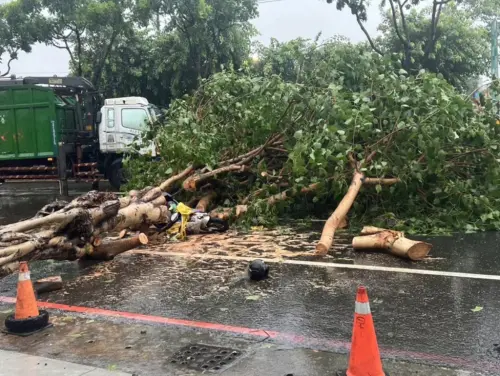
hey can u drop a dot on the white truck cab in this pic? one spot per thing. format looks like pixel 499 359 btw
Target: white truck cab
pixel 121 121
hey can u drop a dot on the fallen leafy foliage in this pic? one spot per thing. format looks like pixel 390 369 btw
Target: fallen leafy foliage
pixel 344 104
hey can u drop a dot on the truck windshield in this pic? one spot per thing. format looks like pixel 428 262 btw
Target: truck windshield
pixel 134 118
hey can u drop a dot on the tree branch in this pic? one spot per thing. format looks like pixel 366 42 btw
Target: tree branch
pixel 395 21
pixel 403 22
pixel 8 66
pixel 360 23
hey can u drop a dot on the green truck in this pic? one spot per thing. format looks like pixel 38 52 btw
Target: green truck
pixel 50 128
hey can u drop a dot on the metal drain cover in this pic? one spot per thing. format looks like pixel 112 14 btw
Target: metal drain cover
pixel 204 358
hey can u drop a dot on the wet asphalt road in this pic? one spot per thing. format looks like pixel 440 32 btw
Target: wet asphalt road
pixel 417 317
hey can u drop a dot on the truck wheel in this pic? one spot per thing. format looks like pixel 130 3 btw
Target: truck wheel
pixel 116 174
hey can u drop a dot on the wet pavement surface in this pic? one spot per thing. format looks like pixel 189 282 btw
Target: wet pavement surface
pixel 420 319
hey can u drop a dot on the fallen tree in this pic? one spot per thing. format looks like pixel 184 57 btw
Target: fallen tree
pixel 401 151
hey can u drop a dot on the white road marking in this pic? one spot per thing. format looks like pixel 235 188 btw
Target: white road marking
pixel 441 273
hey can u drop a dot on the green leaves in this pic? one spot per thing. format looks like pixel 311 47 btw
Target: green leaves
pixel 424 132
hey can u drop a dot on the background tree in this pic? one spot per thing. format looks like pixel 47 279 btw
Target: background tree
pixel 88 30
pixel 398 10
pixel 461 50
pixel 179 43
pixel 21 26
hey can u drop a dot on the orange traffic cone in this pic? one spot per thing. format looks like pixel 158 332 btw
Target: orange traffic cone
pixel 365 356
pixel 26 301
pixel 27 319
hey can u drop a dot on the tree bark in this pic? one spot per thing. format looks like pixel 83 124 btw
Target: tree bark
pixel 16 252
pixel 61 218
pixel 382 181
pixel 133 215
pixel 152 194
pixel 332 224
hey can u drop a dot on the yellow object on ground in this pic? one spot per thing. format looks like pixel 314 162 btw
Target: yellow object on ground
pixel 180 229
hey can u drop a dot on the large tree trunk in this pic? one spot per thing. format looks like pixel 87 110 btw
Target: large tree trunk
pixel 335 220
pixel 134 215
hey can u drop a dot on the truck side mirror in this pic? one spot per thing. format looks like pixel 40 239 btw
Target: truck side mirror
pixel 98 117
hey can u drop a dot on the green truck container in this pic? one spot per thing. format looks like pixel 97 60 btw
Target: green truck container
pixel 33 120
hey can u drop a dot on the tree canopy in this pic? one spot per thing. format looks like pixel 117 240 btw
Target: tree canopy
pixel 461 51
pixel 21 26
pixel 444 37
pixel 181 42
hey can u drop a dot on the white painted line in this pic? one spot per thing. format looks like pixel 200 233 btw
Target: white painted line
pixel 490 277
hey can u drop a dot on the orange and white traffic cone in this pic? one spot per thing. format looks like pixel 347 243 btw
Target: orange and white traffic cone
pixel 25 301
pixel 27 319
pixel 364 359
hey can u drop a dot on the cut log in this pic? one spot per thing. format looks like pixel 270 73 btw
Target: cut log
pixel 48 284
pixel 394 241
pixel 205 201
pixel 333 223
pixel 108 250
pixel 136 214
pixel 412 249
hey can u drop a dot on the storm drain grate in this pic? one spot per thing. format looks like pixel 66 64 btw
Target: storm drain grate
pixel 205 358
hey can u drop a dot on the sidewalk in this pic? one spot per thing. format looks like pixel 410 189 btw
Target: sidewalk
pixel 14 364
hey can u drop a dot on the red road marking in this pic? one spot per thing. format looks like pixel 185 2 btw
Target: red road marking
pixel 150 318
pixel 291 338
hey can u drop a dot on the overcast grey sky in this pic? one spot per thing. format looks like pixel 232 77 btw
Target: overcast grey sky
pixel 280 19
